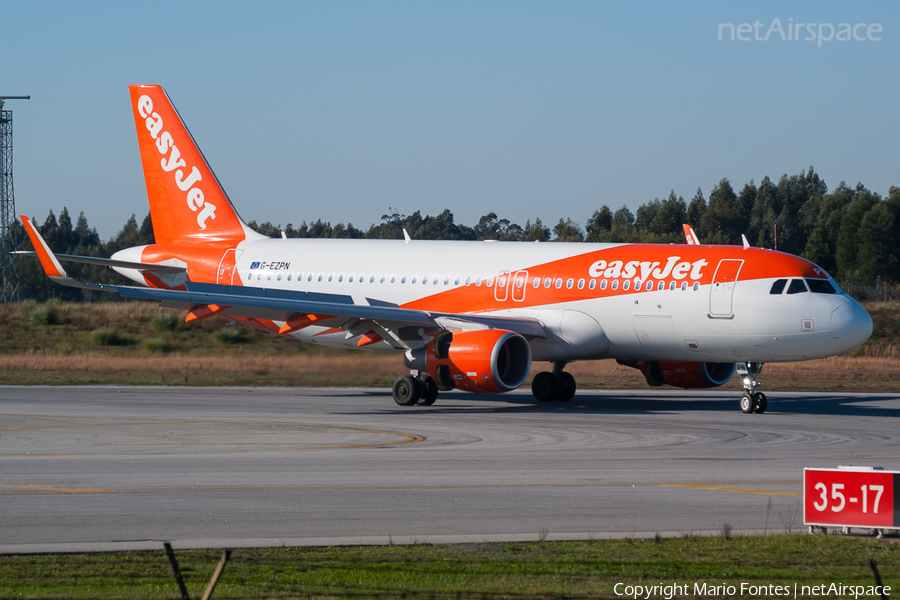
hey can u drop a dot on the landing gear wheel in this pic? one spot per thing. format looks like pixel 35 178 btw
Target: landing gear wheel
pixel 545 387
pixel 406 390
pixel 567 387
pixel 429 391
pixel 760 402
pixel 747 403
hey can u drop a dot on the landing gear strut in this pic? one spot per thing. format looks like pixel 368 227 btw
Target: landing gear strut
pixel 414 389
pixel 751 400
pixel 558 385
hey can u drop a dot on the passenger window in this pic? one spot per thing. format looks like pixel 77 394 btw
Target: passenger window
pixel 279 277
pixel 615 284
pixel 490 282
pixel 820 286
pixel 696 286
pixel 797 287
pixel 403 279
pixel 558 283
pixel 547 283
pixel 592 284
pixel 626 284
pixel 569 284
pixel 468 281
pixel 289 276
pixel 581 284
pixel 330 277
pixel 661 286
pixel 649 286
pixel 778 286
pixel 683 286
pixel 603 285
pixel 520 281
pixel 536 282
pixel 672 287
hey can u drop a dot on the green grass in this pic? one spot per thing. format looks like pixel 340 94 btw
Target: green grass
pixel 45 315
pixel 109 337
pixel 165 322
pixel 231 335
pixel 471 571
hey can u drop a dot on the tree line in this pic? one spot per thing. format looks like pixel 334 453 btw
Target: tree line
pixel 851 232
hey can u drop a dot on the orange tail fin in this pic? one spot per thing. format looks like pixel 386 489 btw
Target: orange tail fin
pixel 187 203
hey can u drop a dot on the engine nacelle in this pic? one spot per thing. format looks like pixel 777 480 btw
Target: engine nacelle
pixel 686 374
pixel 481 361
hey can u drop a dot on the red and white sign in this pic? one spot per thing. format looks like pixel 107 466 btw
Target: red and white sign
pixel 851 497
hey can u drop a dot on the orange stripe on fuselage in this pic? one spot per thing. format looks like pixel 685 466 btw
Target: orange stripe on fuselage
pixel 666 261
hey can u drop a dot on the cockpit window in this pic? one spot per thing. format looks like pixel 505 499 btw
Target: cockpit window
pixel 820 286
pixel 797 287
pixel 778 286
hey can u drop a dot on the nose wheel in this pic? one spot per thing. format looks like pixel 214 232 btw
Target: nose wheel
pixel 751 400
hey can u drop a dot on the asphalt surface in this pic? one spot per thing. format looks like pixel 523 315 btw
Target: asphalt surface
pixel 103 468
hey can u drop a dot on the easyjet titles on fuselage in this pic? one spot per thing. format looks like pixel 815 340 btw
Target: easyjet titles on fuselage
pixel 627 270
pixel 166 145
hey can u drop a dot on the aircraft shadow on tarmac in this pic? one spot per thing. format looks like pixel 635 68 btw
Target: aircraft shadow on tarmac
pixel 635 402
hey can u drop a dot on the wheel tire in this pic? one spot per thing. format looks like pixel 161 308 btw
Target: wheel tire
pixel 567 387
pixel 429 391
pixel 545 387
pixel 406 390
pixel 747 403
pixel 760 403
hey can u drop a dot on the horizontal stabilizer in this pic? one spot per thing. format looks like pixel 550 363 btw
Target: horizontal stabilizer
pixel 108 262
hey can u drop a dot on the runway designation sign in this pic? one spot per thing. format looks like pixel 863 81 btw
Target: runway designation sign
pixel 851 497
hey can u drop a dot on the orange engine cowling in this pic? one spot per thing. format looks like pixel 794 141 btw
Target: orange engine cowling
pixel 686 374
pixel 482 361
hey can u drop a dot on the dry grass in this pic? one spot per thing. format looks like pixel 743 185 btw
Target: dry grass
pixel 33 353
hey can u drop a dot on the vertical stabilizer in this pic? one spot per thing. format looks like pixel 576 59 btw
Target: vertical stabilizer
pixel 187 203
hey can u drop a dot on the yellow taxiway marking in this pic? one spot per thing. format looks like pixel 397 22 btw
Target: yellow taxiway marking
pixel 720 488
pixel 6 489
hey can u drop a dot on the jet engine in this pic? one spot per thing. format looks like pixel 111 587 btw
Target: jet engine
pixel 685 374
pixel 480 361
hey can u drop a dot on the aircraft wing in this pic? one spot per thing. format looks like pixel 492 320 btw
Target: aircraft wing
pixel 296 309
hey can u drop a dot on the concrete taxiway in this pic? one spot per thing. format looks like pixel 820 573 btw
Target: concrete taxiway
pixel 107 467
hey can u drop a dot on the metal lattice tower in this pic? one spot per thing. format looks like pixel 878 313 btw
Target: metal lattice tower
pixel 9 267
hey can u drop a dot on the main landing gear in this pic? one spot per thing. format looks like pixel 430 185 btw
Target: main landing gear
pixel 751 400
pixel 414 388
pixel 558 385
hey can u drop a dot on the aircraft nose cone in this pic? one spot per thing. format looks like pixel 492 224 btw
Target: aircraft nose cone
pixel 851 325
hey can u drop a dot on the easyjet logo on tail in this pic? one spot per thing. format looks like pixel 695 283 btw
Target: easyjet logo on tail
pixel 165 144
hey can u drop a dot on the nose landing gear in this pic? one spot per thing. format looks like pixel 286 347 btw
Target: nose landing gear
pixel 751 400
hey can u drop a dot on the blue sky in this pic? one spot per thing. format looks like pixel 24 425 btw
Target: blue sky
pixel 340 110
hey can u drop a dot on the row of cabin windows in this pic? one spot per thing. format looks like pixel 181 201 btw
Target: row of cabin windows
pixel 547 282
pixel 799 286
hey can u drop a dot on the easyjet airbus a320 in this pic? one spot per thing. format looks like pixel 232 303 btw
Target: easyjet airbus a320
pixel 473 315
